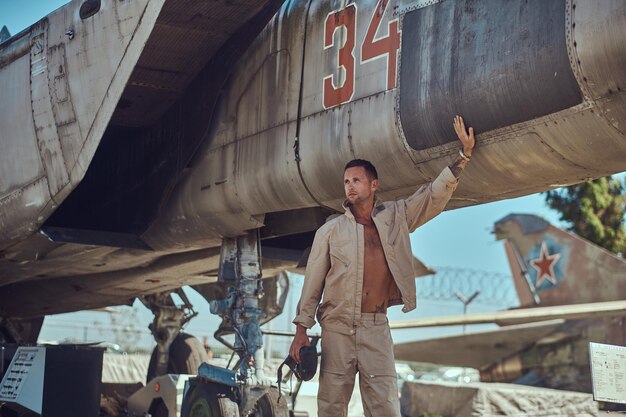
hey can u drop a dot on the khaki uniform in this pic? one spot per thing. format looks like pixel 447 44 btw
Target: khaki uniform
pixel 353 341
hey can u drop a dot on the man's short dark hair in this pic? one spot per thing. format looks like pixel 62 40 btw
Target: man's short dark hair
pixel 370 170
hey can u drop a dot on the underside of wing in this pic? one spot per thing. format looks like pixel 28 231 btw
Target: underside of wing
pixel 519 316
pixel 186 36
pixel 475 349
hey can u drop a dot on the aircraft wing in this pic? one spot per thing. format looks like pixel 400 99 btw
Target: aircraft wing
pixel 526 315
pixel 421 269
pixel 475 349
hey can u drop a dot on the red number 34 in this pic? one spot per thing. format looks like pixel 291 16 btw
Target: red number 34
pixel 371 49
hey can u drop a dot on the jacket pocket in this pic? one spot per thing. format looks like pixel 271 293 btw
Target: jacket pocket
pixel 337 255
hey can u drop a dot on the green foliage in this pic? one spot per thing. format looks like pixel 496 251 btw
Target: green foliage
pixel 595 211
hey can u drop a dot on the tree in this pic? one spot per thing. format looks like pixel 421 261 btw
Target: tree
pixel 595 210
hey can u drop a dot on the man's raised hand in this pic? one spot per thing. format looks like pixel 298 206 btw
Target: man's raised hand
pixel 466 139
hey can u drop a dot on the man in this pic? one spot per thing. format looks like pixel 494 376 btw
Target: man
pixel 362 263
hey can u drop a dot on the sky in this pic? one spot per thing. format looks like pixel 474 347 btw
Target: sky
pixel 18 15
pixel 459 238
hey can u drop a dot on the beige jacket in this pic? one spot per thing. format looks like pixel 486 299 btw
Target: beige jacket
pixel 335 265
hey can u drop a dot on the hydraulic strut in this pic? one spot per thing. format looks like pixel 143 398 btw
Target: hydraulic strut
pixel 169 319
pixel 240 269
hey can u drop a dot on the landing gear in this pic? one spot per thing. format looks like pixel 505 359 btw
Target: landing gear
pixel 221 392
pixel 186 354
pixel 240 269
pixel 175 351
pixel 207 399
pixel 177 354
pixel 244 391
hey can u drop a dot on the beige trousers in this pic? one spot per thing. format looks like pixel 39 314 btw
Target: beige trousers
pixel 367 349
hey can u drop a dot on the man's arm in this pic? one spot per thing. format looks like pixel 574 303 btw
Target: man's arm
pixel 317 267
pixel 430 200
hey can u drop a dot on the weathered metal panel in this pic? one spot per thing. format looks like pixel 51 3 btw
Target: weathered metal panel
pixel 599 50
pixel 17 48
pixel 74 79
pixel 59 89
pixel 600 45
pixel 496 63
pixel 267 183
pixel 20 210
pixel 248 166
pixel 19 155
pixel 100 58
pixel 206 206
pixel 68 130
pixel 331 33
pixel 364 129
pixel 268 83
pixel 43 117
pixel 365 126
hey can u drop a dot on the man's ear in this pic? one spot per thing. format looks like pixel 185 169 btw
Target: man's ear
pixel 374 185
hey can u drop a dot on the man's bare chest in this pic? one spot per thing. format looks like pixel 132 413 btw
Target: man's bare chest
pixel 371 239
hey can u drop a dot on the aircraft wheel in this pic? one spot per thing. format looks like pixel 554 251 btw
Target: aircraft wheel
pixel 186 356
pixel 207 400
pixel 269 406
pixel 200 402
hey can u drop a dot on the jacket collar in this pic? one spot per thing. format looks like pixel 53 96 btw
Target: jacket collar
pixel 378 206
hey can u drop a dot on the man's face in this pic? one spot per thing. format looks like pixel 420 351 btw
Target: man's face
pixel 357 186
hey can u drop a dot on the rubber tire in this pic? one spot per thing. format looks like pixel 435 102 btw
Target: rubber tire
pixel 186 356
pixel 206 400
pixel 269 406
pixel 200 402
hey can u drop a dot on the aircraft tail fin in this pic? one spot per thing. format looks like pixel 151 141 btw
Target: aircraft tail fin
pixel 519 271
pixel 4 34
pixel 551 266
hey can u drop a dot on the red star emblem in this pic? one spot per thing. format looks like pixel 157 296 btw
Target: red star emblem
pixel 545 265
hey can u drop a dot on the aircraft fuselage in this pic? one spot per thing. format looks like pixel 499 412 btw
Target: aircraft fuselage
pixel 159 164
